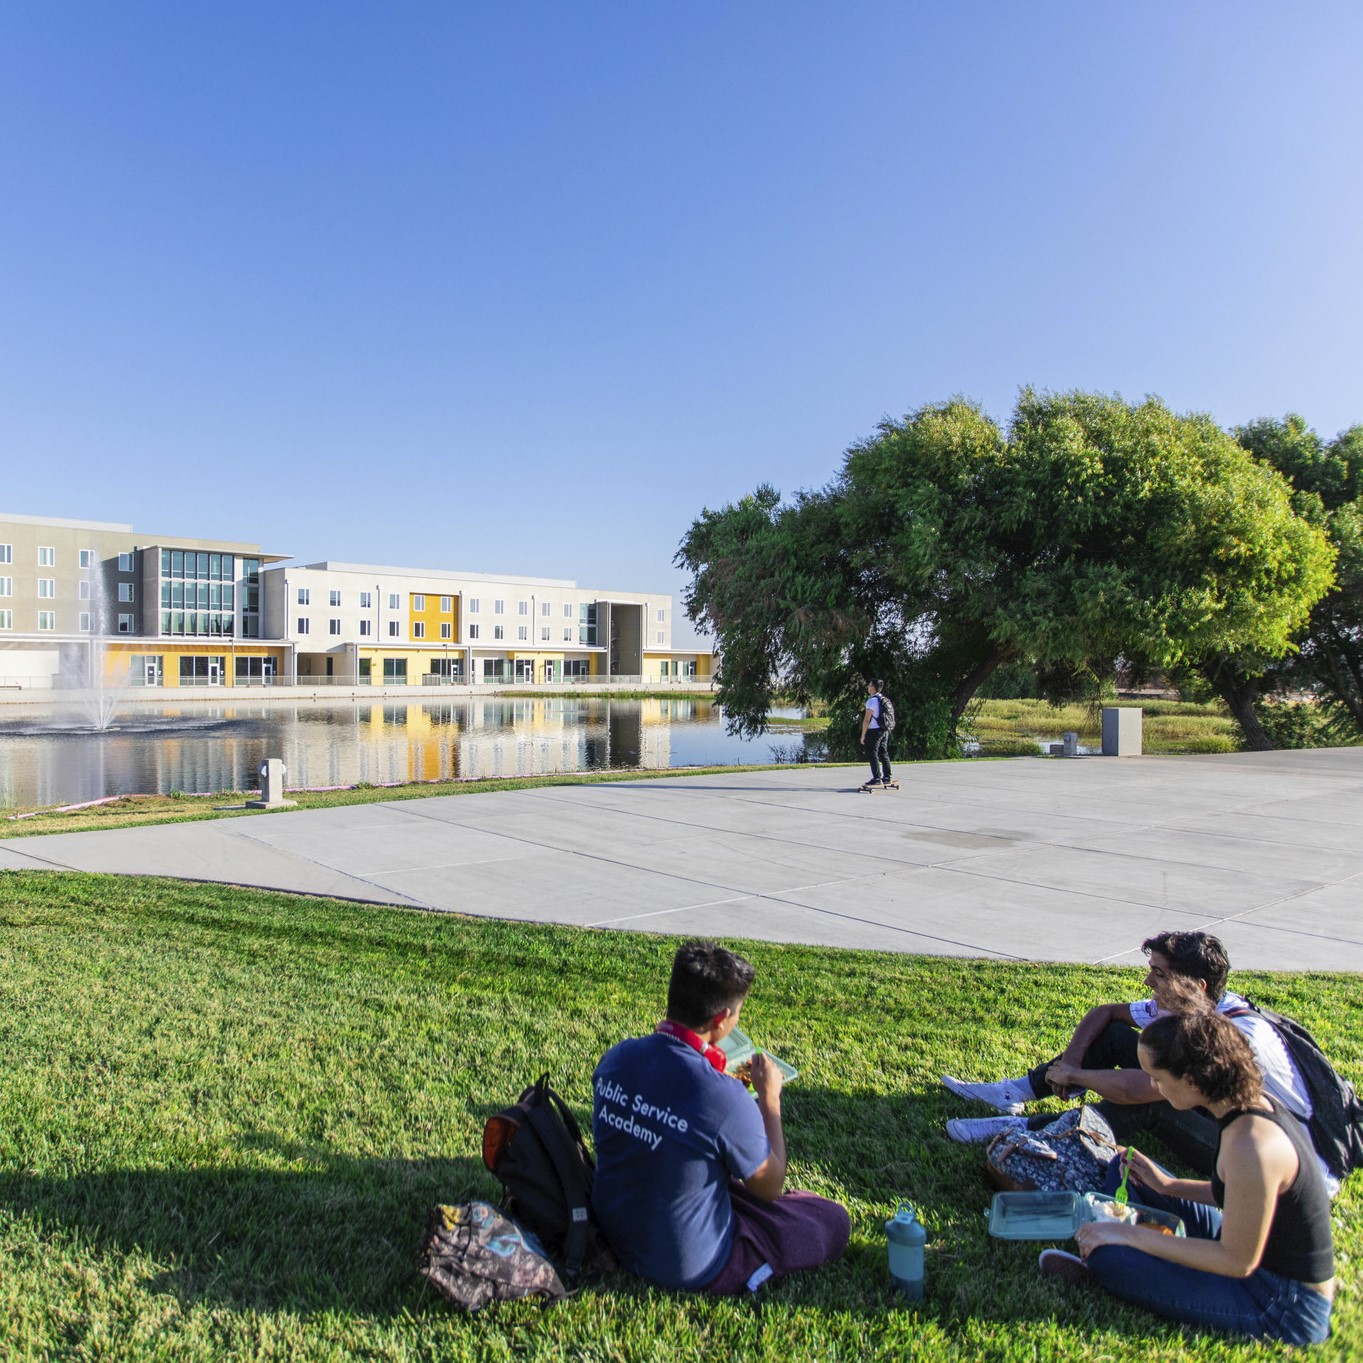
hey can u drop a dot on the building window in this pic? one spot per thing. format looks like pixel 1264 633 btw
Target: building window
pixel 419 629
pixel 85 622
pixel 446 604
pixel 418 602
pixel 6 553
pixel 6 619
pixel 333 626
pixel 498 607
pixel 87 558
pixel 545 608
pixel 125 591
pixel 395 671
pixel 335 598
pixel 394 601
pixel 662 615
pixel 83 589
pixel 474 608
pixel 446 630
pixel 303 624
pixel 304 596
pixel 47 556
pixel 544 633
pixel 567 610
pixel 365 627
pixel 6 586
pixel 125 563
pixel 473 631
pixel 47 619
pixel 522 632
pixel 662 636
pixel 522 608
pixel 567 634
pixel 366 600
pixel 47 587
pixel 498 632
pixel 125 624
pixel 394 629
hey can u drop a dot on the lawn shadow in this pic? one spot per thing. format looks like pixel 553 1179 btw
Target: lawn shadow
pixel 340 1234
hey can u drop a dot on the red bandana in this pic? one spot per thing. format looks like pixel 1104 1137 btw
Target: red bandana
pixel 712 1053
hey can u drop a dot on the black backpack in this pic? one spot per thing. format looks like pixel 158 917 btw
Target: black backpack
pixel 886 713
pixel 537 1153
pixel 1336 1124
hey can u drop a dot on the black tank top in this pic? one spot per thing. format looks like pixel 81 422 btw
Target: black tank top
pixel 1300 1243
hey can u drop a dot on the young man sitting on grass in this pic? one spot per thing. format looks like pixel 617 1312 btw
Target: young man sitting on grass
pixel 689 1169
pixel 1102 1058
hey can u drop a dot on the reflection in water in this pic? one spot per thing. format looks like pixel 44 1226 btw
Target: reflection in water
pixel 201 749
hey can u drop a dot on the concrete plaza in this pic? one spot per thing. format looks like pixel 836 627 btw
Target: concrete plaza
pixel 1074 860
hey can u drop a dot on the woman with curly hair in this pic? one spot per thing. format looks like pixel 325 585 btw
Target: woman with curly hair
pixel 1259 1257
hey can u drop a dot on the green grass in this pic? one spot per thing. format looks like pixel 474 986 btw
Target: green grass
pixel 1009 728
pixel 131 811
pixel 224 1113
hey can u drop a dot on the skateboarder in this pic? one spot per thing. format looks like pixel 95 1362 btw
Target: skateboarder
pixel 875 739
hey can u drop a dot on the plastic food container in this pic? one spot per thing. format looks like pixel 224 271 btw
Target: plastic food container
pixel 1056 1216
pixel 738 1047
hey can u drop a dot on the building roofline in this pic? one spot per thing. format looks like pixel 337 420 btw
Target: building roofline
pixel 331 566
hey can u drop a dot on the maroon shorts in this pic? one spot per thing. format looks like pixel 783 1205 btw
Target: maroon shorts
pixel 771 1239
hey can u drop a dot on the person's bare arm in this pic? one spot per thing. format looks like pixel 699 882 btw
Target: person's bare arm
pixel 1256 1168
pixel 769 1178
pixel 865 723
pixel 1067 1077
pixel 1119 1086
pixel 1145 1173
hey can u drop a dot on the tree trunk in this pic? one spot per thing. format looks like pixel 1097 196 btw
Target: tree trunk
pixel 1240 693
pixel 971 683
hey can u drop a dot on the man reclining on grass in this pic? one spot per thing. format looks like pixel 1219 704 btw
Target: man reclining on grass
pixel 1101 1057
pixel 689 1170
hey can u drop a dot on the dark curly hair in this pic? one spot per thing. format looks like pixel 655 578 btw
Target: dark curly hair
pixel 1196 954
pixel 1207 1050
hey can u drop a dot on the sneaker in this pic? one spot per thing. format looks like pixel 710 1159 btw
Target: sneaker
pixel 1069 1268
pixel 1007 1096
pixel 975 1130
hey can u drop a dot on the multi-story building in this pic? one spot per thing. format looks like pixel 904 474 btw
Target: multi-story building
pixel 361 623
pixel 83 598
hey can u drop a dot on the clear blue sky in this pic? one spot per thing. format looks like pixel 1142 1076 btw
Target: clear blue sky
pixel 521 287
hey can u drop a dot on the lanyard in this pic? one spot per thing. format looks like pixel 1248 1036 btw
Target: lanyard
pixel 713 1054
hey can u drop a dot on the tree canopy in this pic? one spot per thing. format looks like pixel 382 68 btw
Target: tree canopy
pixel 1091 529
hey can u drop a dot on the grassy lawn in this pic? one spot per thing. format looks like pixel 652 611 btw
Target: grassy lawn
pixel 1007 728
pixel 223 1114
pixel 130 811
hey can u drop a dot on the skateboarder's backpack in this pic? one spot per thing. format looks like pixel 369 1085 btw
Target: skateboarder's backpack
pixel 1336 1125
pixel 886 713
pixel 535 1149
pixel 474 1255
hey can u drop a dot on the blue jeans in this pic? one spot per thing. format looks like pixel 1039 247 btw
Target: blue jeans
pixel 1265 1305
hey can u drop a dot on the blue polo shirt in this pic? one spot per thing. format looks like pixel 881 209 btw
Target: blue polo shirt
pixel 670 1131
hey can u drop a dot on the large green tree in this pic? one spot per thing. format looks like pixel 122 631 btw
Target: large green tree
pixel 1327 479
pixel 1093 529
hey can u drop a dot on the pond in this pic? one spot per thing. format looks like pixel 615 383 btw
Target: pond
pixel 48 755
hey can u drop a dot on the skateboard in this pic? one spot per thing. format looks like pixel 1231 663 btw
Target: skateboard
pixel 868 788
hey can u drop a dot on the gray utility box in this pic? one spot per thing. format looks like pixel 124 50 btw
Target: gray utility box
pixel 271 786
pixel 1122 731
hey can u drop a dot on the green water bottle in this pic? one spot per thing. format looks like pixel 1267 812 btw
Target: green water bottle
pixel 906 1237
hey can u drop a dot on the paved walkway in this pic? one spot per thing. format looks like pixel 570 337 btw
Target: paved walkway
pixel 1073 860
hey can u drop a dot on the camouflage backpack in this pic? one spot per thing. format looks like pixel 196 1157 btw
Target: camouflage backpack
pixel 474 1255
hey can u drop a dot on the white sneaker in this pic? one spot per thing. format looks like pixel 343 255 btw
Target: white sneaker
pixel 1007 1096
pixel 975 1130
